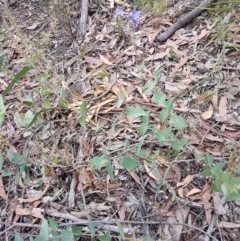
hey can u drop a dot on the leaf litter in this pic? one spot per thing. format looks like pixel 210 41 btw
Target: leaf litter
pixel 104 67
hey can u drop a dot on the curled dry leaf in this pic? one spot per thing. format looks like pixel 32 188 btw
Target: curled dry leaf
pixel 223 107
pixel 214 101
pixel 188 179
pixel 34 212
pixel 105 60
pixel 2 190
pixel 207 114
pixel 228 225
pixel 206 197
pixel 152 172
pixel 193 192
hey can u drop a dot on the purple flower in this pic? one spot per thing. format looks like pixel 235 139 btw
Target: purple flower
pixel 134 16
pixel 119 11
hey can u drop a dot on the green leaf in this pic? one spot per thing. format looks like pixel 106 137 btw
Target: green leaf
pixel 13 157
pixel 159 98
pixel 144 125
pixel 121 98
pixel 44 231
pixel 1 60
pixel 1 161
pixel 156 74
pixel 99 162
pixel 77 231
pixel 163 115
pixel 121 231
pixel 28 100
pixel 208 160
pixel 207 172
pixel 91 226
pixel 199 157
pixel 169 105
pixel 163 135
pixel 159 134
pixel 138 146
pixel 177 145
pixel 62 100
pixel 147 238
pixel 219 180
pixel 135 112
pixel 129 163
pixel 16 78
pixel 53 224
pixel 105 237
pixel 25 120
pixel 149 85
pixel 66 235
pixel 178 122
pixel 98 126
pixel 110 170
pixel 231 189
pixel 2 110
pixel 82 119
pixel 17 237
pixel 55 236
pixel 217 168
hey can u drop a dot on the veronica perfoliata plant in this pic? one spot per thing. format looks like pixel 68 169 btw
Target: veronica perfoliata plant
pixel 133 16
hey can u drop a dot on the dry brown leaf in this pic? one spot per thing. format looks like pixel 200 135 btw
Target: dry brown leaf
pixel 181 215
pixel 82 214
pixel 105 60
pixel 187 180
pixel 21 184
pixel 175 88
pixel 205 97
pixel 204 33
pixel 193 192
pixel 157 56
pixel 215 101
pixel 2 190
pixel 71 195
pixel 39 196
pixel 151 34
pixel 182 62
pixel 224 224
pixel 207 195
pixel 94 63
pixel 223 107
pixel 218 203
pixel 207 114
pixel 214 138
pixel 134 176
pixel 152 172
pixel 34 26
pixel 34 212
pixel 120 208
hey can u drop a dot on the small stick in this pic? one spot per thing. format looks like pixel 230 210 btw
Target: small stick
pixel 184 20
pixel 82 26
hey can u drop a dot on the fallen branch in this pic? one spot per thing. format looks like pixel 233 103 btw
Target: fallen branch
pixel 184 20
pixel 82 26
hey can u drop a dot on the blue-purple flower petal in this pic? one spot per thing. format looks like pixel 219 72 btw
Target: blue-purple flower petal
pixel 134 16
pixel 119 11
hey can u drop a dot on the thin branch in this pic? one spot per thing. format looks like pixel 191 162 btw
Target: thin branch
pixel 184 20
pixel 82 26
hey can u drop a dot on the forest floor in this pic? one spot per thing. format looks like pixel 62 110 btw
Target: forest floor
pixel 106 137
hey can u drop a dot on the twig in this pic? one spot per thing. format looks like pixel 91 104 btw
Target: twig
pixel 211 226
pixel 126 230
pixel 82 26
pixel 184 20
